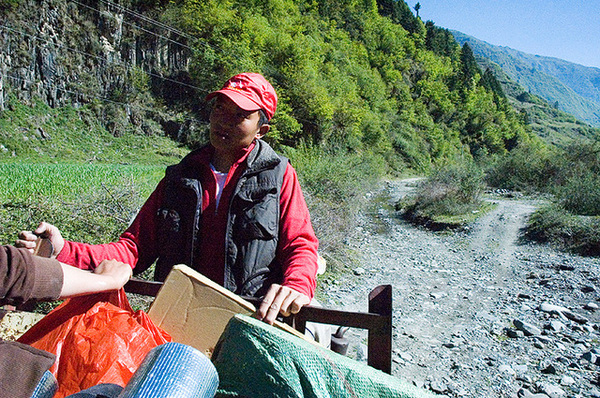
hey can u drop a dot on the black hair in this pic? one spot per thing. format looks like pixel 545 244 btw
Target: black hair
pixel 263 119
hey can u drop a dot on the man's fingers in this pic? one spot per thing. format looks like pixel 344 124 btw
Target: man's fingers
pixel 280 300
pixel 26 240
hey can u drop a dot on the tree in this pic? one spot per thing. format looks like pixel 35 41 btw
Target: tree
pixel 399 12
pixel 439 40
pixel 417 8
pixel 468 67
pixel 489 82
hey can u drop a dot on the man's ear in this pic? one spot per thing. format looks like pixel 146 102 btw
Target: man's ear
pixel 263 130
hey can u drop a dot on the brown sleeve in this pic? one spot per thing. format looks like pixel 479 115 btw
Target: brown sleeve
pixel 22 368
pixel 25 277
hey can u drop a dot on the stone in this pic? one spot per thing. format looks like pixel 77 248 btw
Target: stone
pixel 549 369
pixel 506 369
pixel 591 357
pixel 525 393
pixel 555 326
pixel 567 380
pixel 551 390
pixel 438 386
pixel 576 317
pixel 588 289
pixel 591 306
pixel 527 328
pixel 562 311
pixel 514 334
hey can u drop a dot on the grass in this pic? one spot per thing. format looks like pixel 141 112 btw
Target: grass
pixel 40 134
pixel 62 166
pixel 90 203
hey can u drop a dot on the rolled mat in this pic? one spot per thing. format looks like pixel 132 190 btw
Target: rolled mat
pixel 46 387
pixel 173 370
pixel 257 360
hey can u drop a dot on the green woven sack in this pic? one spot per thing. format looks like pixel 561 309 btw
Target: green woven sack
pixel 254 359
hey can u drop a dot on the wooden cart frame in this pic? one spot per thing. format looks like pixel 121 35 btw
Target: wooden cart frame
pixel 377 321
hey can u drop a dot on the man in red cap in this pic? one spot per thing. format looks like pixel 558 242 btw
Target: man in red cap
pixel 233 210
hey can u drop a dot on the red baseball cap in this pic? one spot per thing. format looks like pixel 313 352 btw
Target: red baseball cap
pixel 250 91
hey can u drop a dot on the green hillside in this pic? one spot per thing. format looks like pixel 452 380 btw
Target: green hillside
pixel 353 76
pixel 574 88
pixel 556 127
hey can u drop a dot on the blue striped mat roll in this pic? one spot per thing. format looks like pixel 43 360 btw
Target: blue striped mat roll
pixel 46 387
pixel 173 370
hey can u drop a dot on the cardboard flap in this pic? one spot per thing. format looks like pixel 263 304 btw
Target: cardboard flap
pixel 195 310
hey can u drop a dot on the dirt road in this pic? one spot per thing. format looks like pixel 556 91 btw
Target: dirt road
pixel 457 297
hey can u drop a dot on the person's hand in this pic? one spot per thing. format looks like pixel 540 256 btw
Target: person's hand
pixel 280 300
pixel 27 239
pixel 117 271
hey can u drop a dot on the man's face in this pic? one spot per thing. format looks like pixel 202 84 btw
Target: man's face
pixel 231 127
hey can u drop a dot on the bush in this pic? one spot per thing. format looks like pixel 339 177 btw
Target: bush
pixel 554 225
pixel 449 197
pixel 580 194
pixel 528 168
pixel 334 184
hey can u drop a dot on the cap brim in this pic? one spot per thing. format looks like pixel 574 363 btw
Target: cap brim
pixel 240 100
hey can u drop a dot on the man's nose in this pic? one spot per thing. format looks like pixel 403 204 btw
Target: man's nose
pixel 222 118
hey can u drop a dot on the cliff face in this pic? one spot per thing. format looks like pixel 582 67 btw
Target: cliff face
pixel 93 51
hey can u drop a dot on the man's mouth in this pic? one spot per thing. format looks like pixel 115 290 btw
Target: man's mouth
pixel 221 135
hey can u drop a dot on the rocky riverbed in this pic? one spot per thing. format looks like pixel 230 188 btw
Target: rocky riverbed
pixel 481 312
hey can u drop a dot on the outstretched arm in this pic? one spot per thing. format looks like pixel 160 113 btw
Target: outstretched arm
pixel 109 275
pixel 25 277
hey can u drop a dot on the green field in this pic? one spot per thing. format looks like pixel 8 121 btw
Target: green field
pixel 88 202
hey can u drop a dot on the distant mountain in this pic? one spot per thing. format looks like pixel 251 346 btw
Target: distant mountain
pixel 574 88
pixel 552 125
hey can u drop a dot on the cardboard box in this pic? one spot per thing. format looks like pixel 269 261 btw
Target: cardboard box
pixel 195 310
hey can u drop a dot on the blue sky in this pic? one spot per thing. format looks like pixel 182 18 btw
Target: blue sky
pixel 566 29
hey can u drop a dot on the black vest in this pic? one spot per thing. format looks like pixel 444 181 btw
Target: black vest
pixel 252 226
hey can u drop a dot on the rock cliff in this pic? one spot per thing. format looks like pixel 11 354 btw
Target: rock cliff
pixel 126 62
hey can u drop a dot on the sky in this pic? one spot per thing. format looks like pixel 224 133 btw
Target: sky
pixel 565 29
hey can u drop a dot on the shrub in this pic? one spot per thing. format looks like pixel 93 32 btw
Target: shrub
pixel 528 168
pixel 335 183
pixel 449 196
pixel 580 194
pixel 554 225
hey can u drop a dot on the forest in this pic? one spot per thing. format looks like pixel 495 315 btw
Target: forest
pixel 366 89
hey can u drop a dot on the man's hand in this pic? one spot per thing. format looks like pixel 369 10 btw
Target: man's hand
pixel 115 270
pixel 27 239
pixel 280 299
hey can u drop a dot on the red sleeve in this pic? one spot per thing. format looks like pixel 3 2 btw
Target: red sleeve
pixel 135 246
pixel 298 243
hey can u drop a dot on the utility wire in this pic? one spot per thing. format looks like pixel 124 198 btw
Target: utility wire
pixel 148 19
pixel 139 27
pixel 120 63
pixel 156 23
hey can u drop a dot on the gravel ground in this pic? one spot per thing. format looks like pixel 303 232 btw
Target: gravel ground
pixel 477 313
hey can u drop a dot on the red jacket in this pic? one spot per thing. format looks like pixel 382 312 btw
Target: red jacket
pixel 297 248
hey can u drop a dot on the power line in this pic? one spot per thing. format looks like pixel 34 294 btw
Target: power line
pixel 139 27
pixel 148 19
pixel 154 22
pixel 119 63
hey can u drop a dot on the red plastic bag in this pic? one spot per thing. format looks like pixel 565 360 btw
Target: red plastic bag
pixel 96 339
